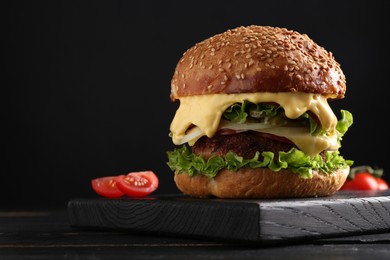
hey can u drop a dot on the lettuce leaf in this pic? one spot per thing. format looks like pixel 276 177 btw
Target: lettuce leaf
pixel 182 160
pixel 240 113
pixel 345 122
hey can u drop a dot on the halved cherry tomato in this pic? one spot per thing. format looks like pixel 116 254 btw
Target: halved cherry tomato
pixel 106 187
pixel 137 184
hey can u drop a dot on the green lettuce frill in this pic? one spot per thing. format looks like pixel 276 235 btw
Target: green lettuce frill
pixel 182 160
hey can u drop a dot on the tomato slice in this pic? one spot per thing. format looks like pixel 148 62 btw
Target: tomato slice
pixel 106 187
pixel 137 184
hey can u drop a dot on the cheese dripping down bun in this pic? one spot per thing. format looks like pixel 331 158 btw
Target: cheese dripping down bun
pixel 261 65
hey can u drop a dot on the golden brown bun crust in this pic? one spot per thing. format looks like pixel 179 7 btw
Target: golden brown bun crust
pixel 261 183
pixel 257 59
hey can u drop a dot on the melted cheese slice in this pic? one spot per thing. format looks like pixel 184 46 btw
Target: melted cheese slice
pixel 205 112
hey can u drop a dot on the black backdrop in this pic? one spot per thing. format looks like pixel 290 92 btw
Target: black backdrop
pixel 85 89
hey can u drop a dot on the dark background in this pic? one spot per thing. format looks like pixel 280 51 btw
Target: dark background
pixel 85 85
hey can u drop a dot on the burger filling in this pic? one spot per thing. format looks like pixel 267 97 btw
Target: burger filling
pixel 299 132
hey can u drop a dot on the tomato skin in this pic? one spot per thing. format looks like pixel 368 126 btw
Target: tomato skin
pixel 106 187
pixel 382 184
pixel 137 184
pixel 364 181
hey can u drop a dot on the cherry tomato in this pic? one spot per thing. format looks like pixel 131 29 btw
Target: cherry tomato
pixel 361 181
pixel 364 177
pixel 137 184
pixel 106 187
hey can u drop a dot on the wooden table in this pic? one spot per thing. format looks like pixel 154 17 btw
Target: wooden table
pixel 46 234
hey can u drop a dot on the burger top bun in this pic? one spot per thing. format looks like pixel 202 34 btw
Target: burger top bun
pixel 257 59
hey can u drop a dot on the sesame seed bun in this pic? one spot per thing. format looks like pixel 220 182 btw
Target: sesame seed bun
pixel 257 59
pixel 261 183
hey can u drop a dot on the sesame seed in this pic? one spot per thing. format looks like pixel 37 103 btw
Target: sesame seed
pixel 258 69
pixel 221 69
pixel 229 65
pixel 236 53
pixel 225 77
pixel 223 82
pixel 219 62
pixel 238 76
pixel 209 86
pixel 242 75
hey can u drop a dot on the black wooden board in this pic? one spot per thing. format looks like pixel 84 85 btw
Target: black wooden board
pixel 344 214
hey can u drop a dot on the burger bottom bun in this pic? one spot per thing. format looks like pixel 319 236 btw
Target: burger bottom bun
pixel 261 183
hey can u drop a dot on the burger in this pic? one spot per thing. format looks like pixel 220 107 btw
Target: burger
pixel 254 119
